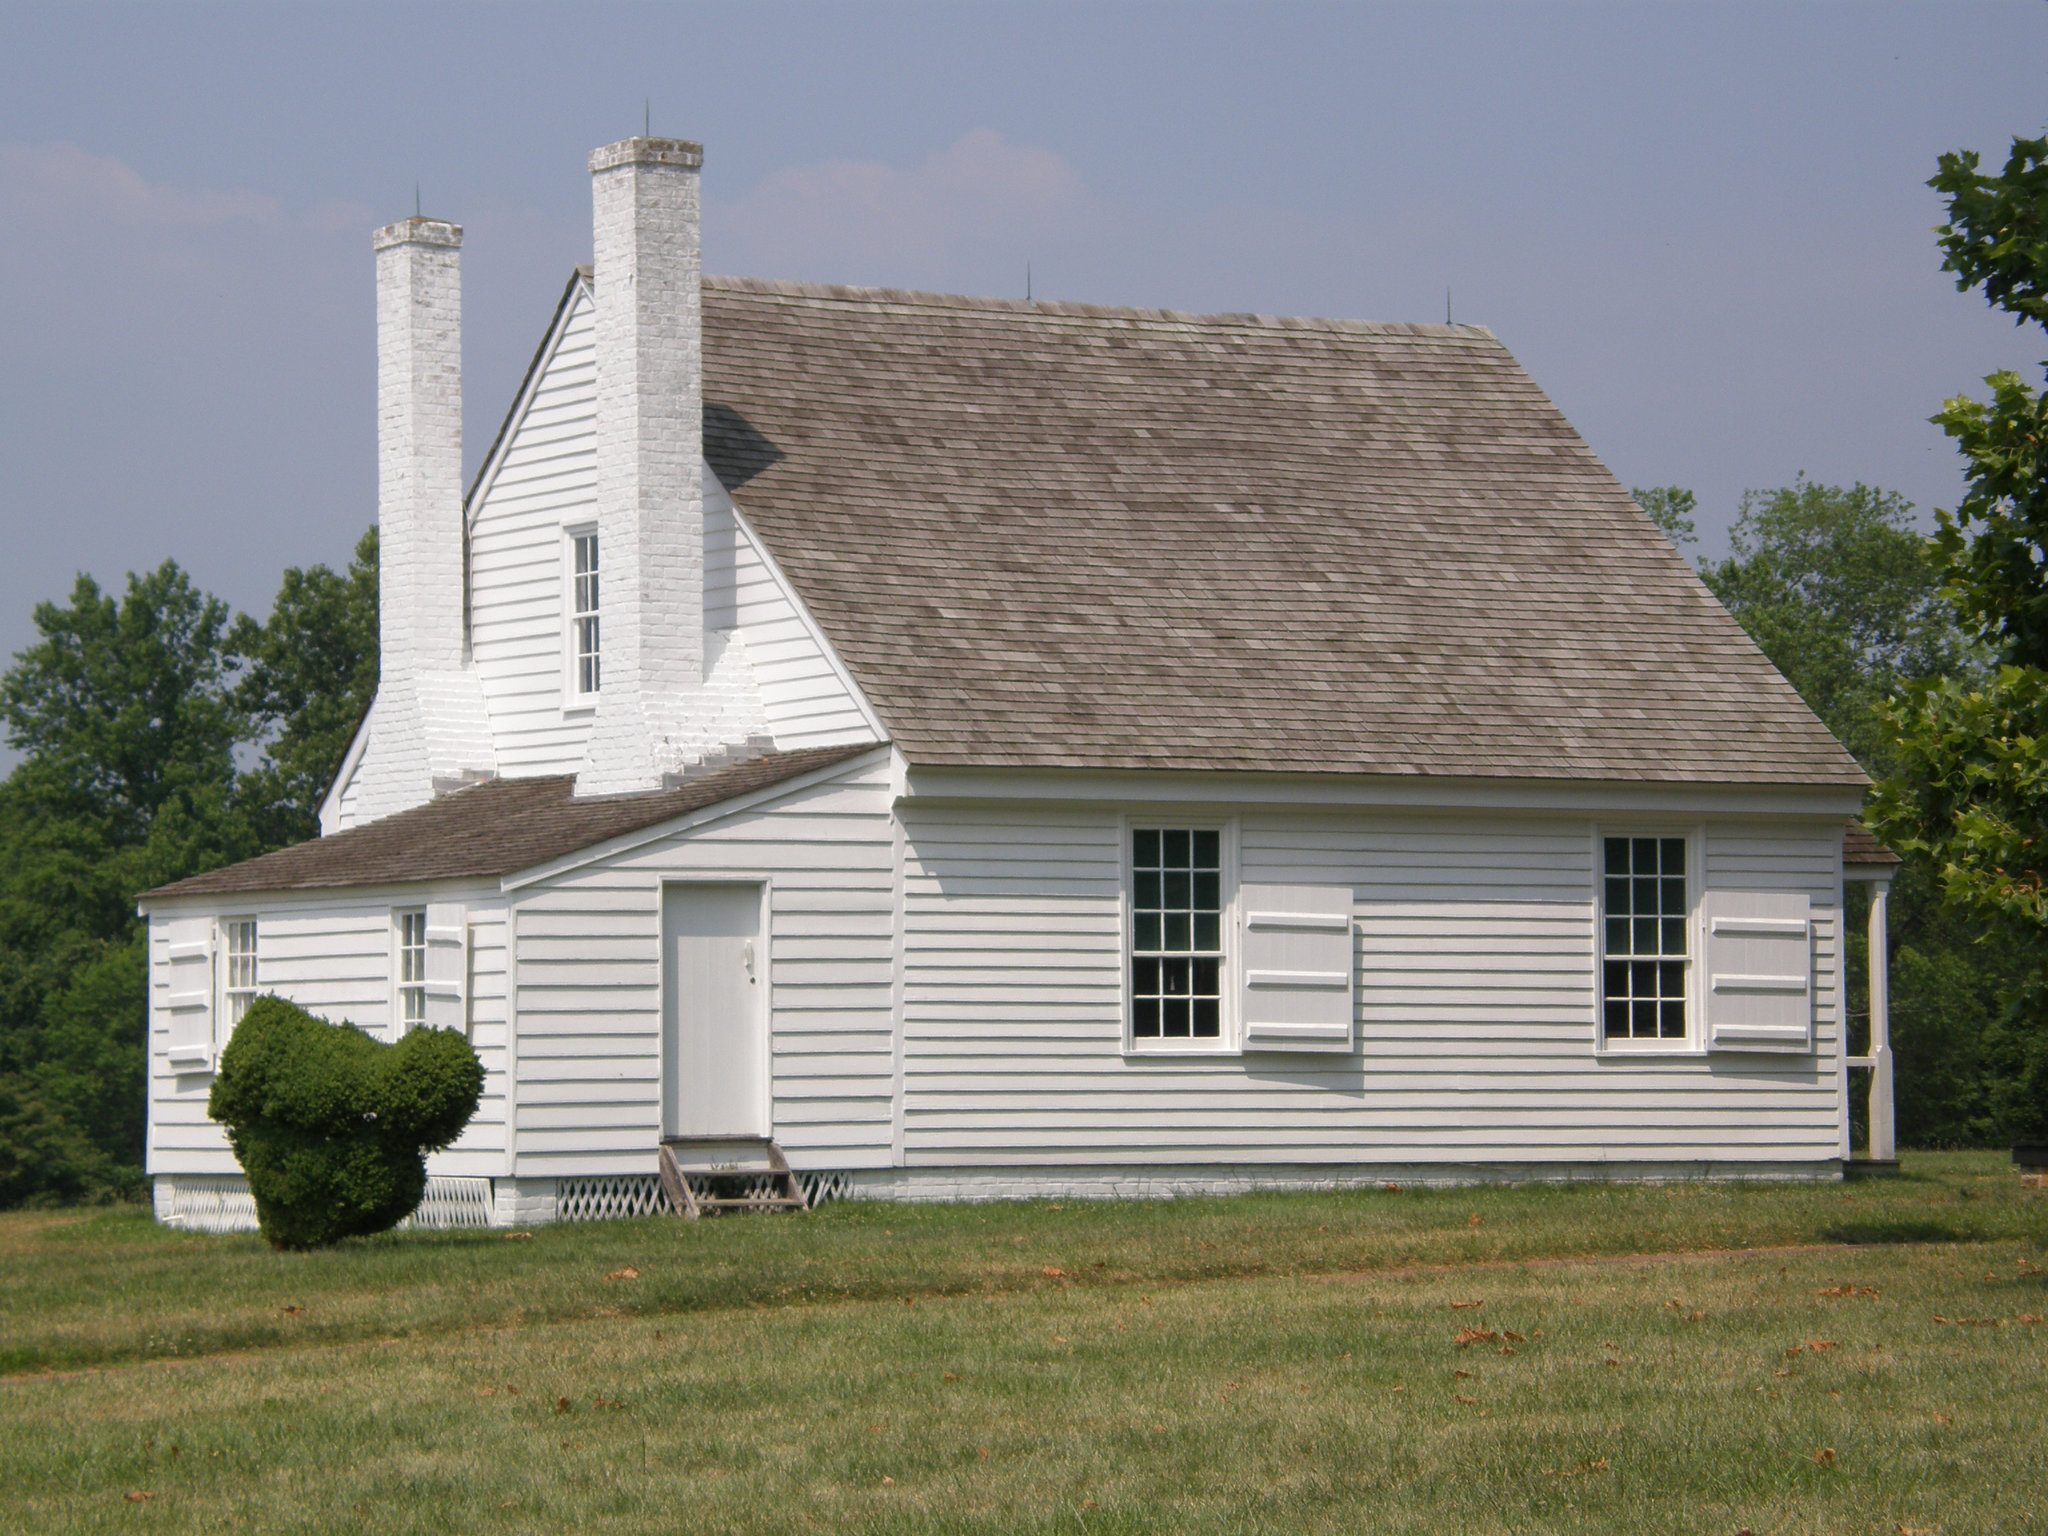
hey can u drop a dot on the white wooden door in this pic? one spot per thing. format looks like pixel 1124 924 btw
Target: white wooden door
pixel 714 1057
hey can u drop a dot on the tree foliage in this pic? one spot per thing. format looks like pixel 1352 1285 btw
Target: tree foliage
pixel 1840 591
pixel 1970 793
pixel 311 673
pixel 131 711
pixel 1672 509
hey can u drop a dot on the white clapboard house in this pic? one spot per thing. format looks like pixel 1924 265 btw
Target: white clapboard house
pixel 973 748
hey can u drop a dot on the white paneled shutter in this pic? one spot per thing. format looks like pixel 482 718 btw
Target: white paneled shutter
pixel 1759 980
pixel 189 1002
pixel 1297 967
pixel 447 982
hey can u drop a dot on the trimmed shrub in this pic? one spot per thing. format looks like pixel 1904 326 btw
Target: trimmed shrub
pixel 333 1127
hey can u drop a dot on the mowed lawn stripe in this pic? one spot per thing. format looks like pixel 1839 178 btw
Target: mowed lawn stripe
pixel 80 1289
pixel 1809 1391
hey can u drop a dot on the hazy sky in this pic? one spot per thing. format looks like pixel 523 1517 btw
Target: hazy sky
pixel 1703 229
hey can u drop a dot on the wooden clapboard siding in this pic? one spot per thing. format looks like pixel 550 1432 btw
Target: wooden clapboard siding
pixel 588 979
pixel 546 480
pixel 332 955
pixel 1476 996
pixel 805 697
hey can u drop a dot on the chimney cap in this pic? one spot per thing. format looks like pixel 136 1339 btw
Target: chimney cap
pixel 680 153
pixel 418 232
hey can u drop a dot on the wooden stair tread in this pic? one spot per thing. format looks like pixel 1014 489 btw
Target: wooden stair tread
pixel 783 1193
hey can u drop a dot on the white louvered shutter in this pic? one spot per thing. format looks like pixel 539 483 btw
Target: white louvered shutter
pixel 1759 970
pixel 188 999
pixel 447 980
pixel 1297 967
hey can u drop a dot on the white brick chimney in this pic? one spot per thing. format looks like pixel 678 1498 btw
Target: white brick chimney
pixel 650 474
pixel 428 727
pixel 419 447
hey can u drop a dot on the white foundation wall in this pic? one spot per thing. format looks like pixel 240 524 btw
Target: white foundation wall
pixel 1474 949
pixel 333 956
pixel 587 978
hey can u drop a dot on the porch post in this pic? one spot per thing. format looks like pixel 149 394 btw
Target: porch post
pixel 1883 1136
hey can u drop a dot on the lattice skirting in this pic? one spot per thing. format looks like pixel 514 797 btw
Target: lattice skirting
pixel 616 1196
pixel 820 1187
pixel 450 1204
pixel 223 1204
pixel 609 1198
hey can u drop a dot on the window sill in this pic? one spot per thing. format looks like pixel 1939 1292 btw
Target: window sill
pixel 579 711
pixel 1655 1049
pixel 1152 1050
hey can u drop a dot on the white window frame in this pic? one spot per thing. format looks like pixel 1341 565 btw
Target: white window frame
pixel 402 987
pixel 230 994
pixel 574 700
pixel 1229 1040
pixel 1691 1043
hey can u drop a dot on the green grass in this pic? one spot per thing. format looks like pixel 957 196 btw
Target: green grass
pixel 1282 1363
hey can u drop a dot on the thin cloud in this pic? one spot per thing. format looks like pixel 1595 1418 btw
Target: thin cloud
pixel 978 205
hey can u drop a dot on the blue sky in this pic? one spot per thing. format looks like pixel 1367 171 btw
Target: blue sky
pixel 1703 229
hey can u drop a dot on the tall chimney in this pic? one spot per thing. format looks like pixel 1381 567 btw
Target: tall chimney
pixel 650 446
pixel 419 448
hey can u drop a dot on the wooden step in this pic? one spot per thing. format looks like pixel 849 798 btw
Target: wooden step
pixel 693 1169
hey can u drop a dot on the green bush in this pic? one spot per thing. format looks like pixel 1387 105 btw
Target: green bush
pixel 331 1126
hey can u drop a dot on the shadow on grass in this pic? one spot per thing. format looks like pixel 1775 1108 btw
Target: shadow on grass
pixel 1898 1231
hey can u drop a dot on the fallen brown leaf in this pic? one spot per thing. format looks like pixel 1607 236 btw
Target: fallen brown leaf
pixel 1824 1457
pixel 1475 1336
pixel 948 1376
pixel 2027 1317
pixel 888 1482
pixel 515 1236
pixel 628 1273
pixel 1846 1290
pixel 1460 1397
pixel 1461 1374
pixel 1817 1345
pixel 291 1311
pixel 139 1497
pixel 1053 1274
pixel 1505 1349
pixel 1463 1306
pixel 1472 1220
pixel 563 1405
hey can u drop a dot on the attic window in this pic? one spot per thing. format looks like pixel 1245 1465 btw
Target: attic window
pixel 1176 935
pixel 583 635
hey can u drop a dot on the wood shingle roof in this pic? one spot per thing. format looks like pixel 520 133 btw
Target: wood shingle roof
pixel 1053 535
pixel 493 829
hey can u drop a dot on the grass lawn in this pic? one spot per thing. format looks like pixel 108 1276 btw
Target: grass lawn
pixel 1268 1363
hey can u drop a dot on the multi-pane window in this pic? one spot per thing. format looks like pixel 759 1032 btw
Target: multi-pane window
pixel 412 969
pixel 1643 993
pixel 239 935
pixel 1176 934
pixel 583 637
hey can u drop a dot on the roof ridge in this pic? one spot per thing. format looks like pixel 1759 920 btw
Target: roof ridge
pixel 1070 310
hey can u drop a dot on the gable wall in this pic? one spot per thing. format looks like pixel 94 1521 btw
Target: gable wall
pixel 588 980
pixel 333 957
pixel 1474 954
pixel 547 480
